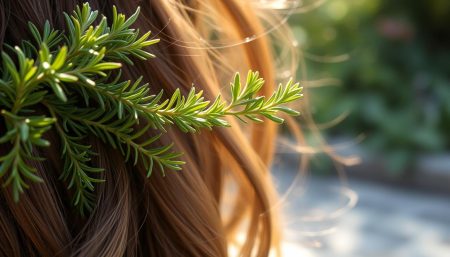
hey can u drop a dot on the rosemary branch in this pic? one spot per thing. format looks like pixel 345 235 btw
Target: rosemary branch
pixel 69 74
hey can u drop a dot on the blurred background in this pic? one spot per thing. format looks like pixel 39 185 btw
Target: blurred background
pixel 385 68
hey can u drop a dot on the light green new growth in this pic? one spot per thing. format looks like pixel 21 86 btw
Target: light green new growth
pixel 68 74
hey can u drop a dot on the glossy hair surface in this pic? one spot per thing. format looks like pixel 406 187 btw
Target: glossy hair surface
pixel 181 213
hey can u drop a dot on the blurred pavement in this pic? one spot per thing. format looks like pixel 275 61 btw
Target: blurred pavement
pixel 387 221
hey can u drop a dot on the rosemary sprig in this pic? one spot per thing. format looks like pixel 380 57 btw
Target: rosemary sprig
pixel 69 74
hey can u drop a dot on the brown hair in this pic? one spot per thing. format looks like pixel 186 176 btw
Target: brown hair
pixel 182 213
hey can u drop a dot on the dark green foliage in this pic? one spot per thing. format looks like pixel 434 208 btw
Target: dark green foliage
pixel 395 83
pixel 69 74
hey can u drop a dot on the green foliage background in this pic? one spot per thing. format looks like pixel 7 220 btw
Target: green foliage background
pixel 395 83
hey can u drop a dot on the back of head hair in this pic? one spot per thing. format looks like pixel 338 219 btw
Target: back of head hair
pixel 181 213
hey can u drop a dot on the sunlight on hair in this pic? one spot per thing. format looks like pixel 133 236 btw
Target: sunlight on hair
pixel 278 4
pixel 288 249
pixel 284 9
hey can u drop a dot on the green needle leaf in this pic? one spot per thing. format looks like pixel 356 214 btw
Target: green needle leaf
pixel 60 58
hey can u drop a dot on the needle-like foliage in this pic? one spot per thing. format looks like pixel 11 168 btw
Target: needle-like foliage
pixel 69 74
